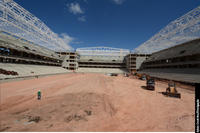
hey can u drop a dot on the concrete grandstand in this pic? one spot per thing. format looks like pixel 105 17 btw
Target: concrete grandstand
pixel 29 59
pixel 179 63
pixel 29 48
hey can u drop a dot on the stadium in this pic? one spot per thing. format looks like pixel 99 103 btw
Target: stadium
pixel 92 88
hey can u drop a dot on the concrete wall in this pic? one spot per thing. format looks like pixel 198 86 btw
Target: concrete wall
pixel 101 70
pixel 101 58
pixel 67 61
pixel 139 61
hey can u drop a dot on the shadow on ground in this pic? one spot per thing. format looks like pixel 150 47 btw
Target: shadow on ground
pixel 145 88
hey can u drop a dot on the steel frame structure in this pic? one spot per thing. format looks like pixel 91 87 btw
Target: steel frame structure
pixel 102 51
pixel 181 30
pixel 16 20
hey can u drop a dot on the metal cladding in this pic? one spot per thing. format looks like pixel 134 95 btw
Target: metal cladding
pixel 18 21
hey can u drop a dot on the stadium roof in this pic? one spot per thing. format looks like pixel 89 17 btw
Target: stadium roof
pixel 181 30
pixel 102 51
pixel 16 20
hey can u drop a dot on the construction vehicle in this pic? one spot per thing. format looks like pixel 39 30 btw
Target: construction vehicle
pixel 143 77
pixel 150 84
pixel 138 75
pixel 171 90
pixel 113 74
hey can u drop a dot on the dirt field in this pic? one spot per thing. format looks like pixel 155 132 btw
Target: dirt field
pixel 92 102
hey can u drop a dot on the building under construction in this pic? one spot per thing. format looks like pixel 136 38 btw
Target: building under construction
pixel 16 50
pixel 93 86
pixel 179 63
pixel 134 61
pixel 29 48
pixel 96 57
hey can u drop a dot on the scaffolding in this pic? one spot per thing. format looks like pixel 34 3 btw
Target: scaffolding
pixel 181 30
pixel 102 51
pixel 16 20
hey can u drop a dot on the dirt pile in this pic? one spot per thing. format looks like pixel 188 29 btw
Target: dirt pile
pixel 74 107
pixel 67 109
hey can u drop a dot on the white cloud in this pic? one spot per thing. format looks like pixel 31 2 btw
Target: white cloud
pixel 118 2
pixel 75 8
pixel 67 40
pixel 82 18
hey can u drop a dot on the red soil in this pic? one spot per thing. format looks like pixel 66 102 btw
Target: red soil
pixel 92 102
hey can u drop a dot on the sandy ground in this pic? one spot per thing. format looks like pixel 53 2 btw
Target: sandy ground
pixel 92 102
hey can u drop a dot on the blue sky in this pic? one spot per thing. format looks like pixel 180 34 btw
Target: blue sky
pixel 112 23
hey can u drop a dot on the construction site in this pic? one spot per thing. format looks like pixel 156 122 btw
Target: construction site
pixel 91 88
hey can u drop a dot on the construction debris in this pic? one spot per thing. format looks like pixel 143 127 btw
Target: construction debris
pixel 5 72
